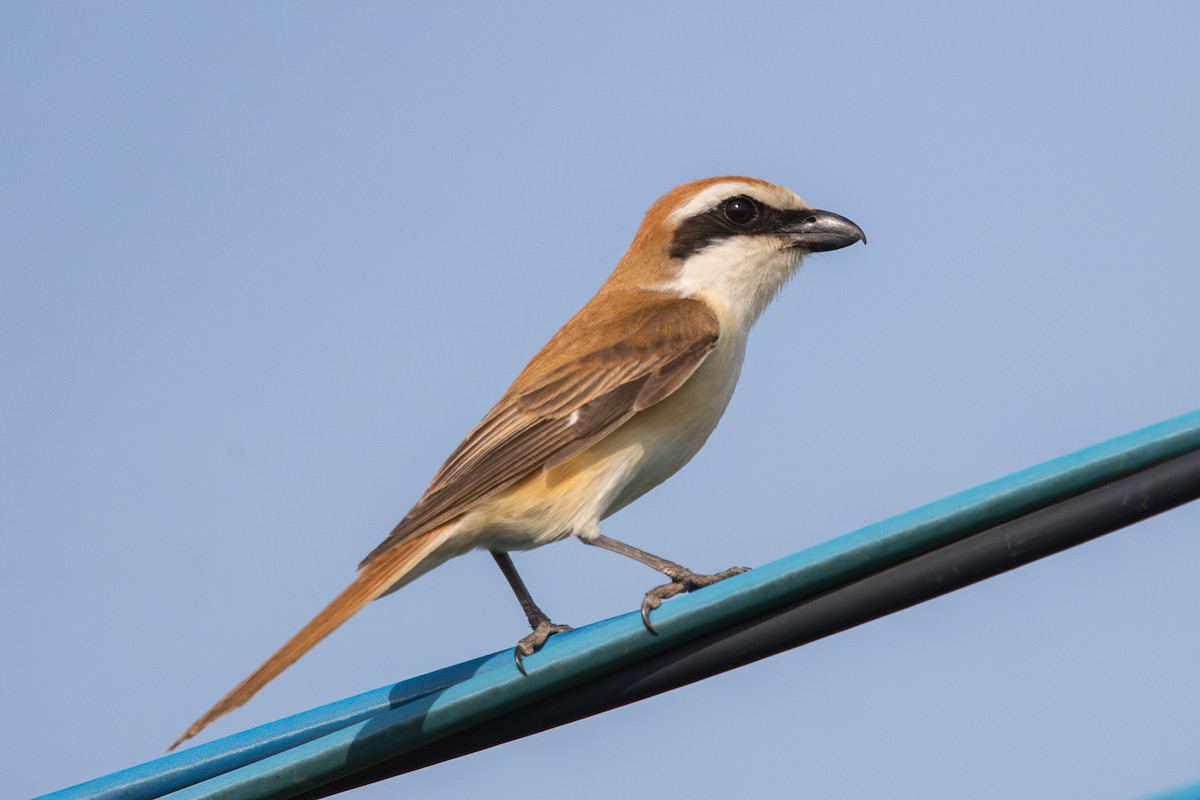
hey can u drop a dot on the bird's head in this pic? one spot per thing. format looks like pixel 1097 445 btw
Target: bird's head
pixel 734 241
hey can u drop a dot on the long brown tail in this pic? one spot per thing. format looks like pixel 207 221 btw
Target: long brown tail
pixel 384 572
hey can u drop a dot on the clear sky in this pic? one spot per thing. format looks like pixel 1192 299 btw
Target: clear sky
pixel 262 265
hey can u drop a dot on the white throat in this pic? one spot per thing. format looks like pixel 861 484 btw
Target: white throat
pixel 738 276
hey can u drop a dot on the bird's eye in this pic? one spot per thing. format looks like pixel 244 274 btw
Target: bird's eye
pixel 740 210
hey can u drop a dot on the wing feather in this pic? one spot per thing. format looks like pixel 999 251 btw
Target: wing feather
pixel 584 384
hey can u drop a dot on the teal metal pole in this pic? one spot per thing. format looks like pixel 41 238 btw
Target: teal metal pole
pixel 295 755
pixel 1189 792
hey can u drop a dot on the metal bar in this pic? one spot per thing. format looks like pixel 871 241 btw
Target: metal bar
pixel 947 569
pixel 1189 792
pixel 181 769
pixel 413 718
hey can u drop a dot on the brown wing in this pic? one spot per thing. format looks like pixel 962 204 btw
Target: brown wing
pixel 590 378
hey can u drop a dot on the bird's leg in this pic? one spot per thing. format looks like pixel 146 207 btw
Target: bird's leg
pixel 543 628
pixel 682 578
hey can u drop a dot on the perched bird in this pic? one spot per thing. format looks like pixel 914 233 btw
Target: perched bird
pixel 614 404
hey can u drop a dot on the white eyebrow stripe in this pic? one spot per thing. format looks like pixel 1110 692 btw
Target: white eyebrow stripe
pixel 709 197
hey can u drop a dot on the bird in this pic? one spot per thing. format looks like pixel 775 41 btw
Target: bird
pixel 617 401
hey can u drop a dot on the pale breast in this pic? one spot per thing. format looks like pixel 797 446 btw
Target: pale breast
pixel 572 498
pixel 673 431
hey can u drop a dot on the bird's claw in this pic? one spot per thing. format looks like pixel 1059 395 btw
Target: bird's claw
pixel 534 641
pixel 682 581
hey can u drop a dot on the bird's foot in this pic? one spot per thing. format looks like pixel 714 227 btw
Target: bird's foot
pixel 682 580
pixel 542 631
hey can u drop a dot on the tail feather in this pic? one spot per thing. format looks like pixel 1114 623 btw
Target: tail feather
pixel 381 574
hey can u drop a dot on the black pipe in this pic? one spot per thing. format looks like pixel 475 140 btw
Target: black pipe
pixel 985 554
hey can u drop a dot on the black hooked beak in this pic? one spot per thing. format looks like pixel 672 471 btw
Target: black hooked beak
pixel 819 231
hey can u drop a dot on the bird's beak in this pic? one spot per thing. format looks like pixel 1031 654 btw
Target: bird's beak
pixel 818 231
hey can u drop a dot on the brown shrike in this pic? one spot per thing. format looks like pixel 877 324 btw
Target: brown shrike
pixel 614 404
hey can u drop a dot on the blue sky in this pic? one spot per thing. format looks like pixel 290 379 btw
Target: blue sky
pixel 263 265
